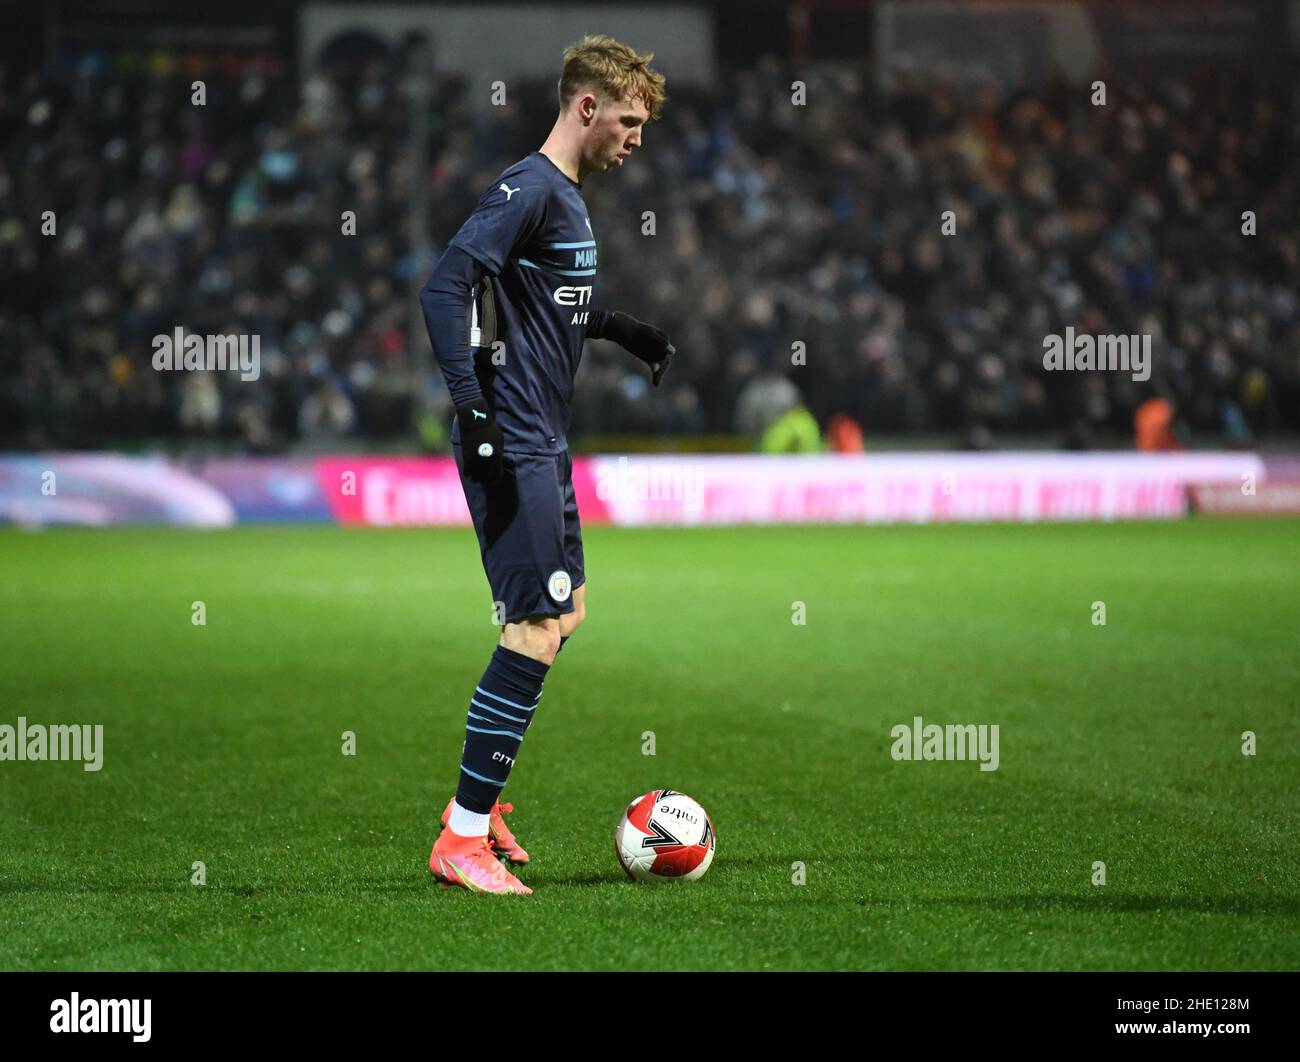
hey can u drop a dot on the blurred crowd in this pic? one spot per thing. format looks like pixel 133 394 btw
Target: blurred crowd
pixel 800 257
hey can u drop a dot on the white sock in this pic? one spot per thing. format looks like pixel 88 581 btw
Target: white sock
pixel 467 823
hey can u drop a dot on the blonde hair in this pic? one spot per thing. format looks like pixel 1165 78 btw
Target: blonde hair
pixel 614 70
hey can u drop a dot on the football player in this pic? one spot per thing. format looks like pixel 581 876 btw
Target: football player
pixel 508 308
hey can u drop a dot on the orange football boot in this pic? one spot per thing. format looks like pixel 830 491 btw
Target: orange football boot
pixel 470 863
pixel 504 843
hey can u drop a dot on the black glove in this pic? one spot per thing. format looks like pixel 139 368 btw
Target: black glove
pixel 641 340
pixel 480 442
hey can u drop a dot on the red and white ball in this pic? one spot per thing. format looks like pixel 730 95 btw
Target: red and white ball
pixel 665 836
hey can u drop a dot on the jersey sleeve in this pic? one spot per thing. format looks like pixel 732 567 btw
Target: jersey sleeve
pixel 445 301
pixel 507 217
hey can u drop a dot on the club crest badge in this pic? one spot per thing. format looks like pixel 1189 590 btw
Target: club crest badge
pixel 558 585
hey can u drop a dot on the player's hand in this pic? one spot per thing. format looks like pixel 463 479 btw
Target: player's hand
pixel 643 341
pixel 480 442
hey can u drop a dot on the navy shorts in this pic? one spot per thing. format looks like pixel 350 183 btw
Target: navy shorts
pixel 528 534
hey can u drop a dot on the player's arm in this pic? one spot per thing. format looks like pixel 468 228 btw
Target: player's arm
pixel 639 339
pixel 505 218
pixel 445 301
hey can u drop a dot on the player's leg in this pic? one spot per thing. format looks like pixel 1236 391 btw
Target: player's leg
pixel 545 492
pixel 519 522
pixel 463 854
pixel 537 637
pixel 571 621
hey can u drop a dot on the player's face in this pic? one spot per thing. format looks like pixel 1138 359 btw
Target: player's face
pixel 615 133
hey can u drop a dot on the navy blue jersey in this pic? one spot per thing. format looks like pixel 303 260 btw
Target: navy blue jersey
pixel 531 232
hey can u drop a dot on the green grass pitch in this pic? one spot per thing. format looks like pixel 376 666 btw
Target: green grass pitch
pixel 1118 743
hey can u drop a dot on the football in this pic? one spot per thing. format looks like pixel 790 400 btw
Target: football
pixel 664 835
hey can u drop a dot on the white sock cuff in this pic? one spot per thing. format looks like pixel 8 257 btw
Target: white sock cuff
pixel 467 823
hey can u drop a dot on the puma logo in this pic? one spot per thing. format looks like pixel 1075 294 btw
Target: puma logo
pixel 476 413
pixel 508 191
